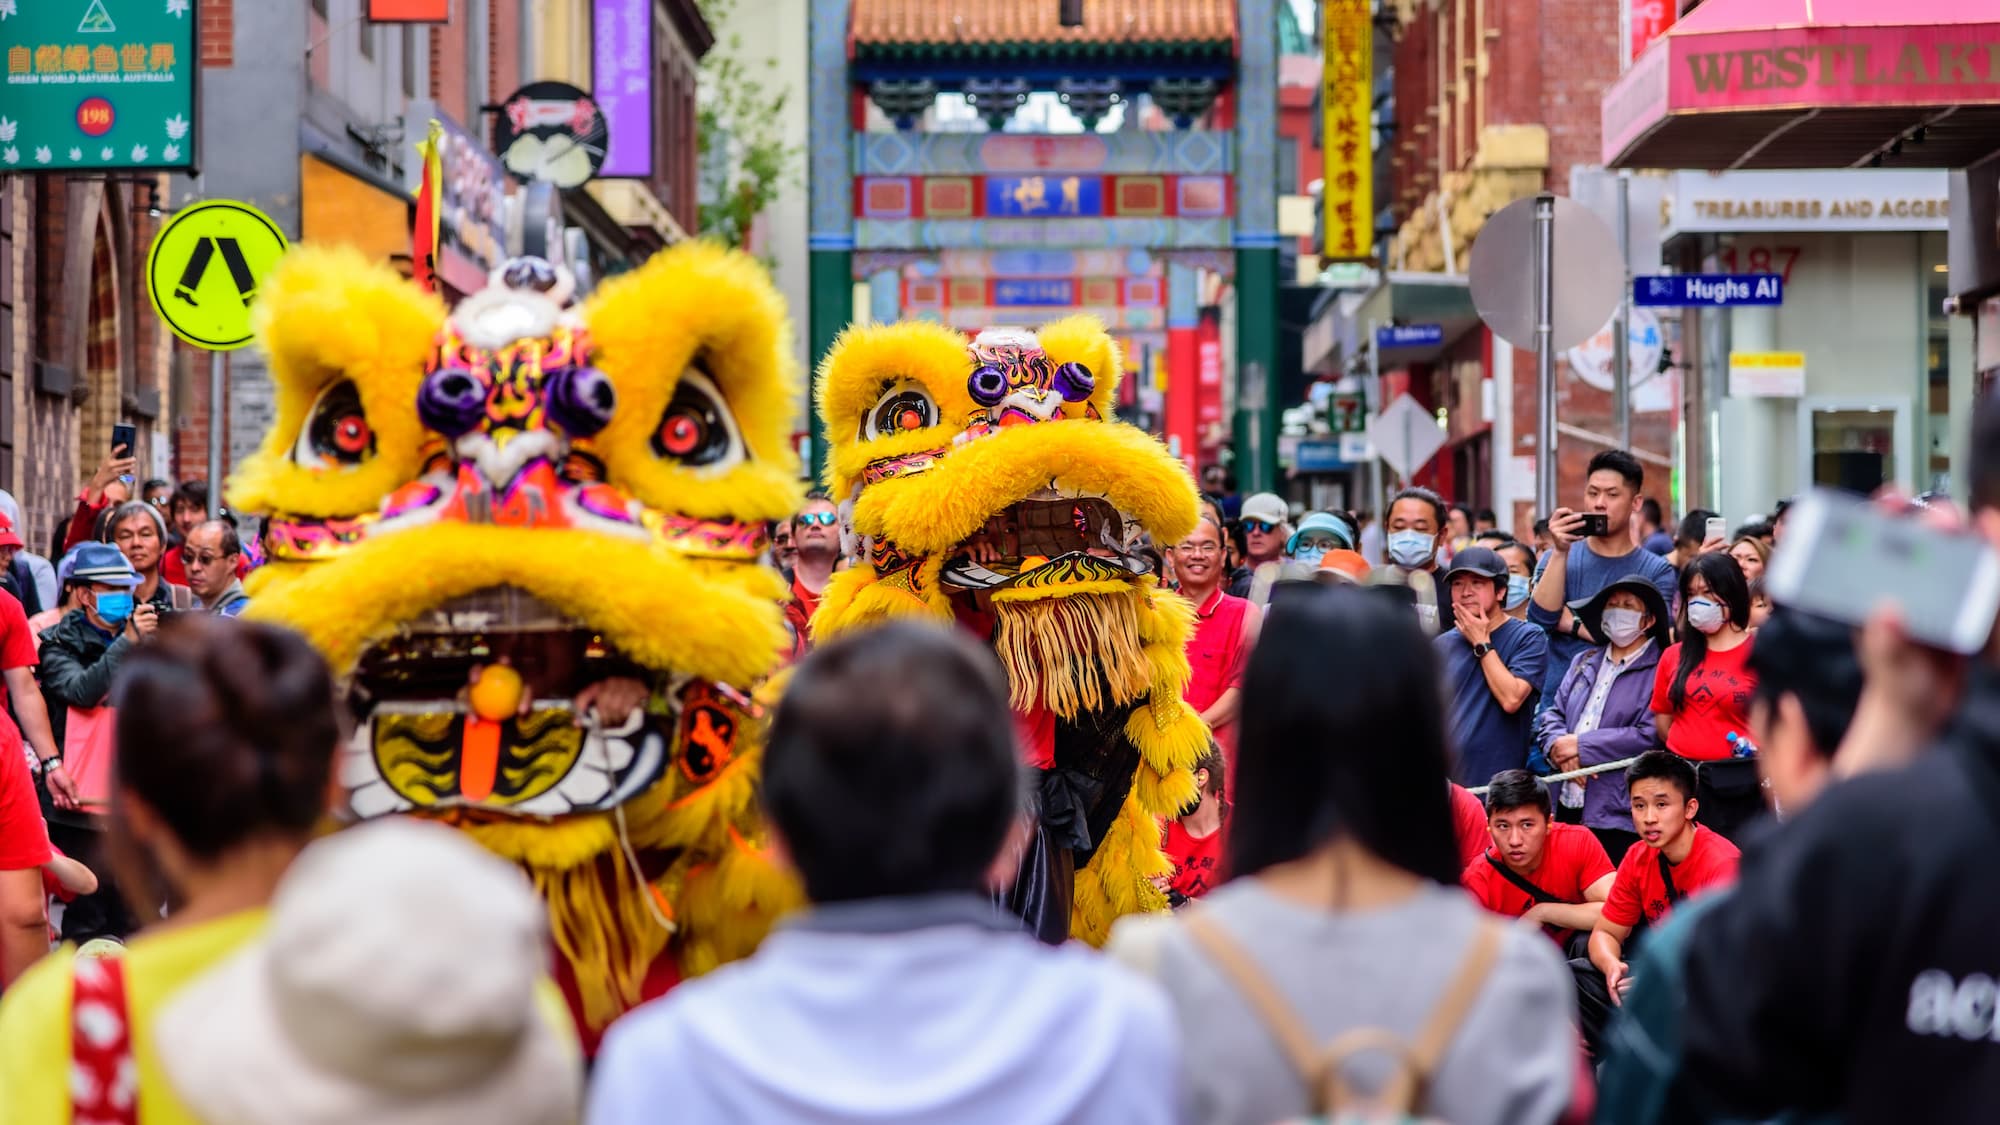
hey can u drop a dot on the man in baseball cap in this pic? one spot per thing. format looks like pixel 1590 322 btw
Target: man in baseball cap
pixel 1266 524
pixel 1492 664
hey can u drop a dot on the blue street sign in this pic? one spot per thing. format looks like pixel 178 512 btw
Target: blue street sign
pixel 1034 292
pixel 1409 336
pixel 1318 455
pixel 1683 290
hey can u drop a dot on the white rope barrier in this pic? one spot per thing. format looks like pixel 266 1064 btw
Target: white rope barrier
pixel 1587 771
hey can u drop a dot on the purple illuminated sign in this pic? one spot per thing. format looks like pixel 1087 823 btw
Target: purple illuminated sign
pixel 622 61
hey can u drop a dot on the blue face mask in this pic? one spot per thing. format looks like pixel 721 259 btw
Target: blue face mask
pixel 1310 555
pixel 1411 549
pixel 1517 590
pixel 114 608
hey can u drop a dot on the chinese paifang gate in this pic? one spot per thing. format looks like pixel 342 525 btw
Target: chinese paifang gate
pixel 992 487
pixel 578 492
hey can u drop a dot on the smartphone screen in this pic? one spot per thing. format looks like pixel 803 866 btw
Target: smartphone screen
pixel 1843 558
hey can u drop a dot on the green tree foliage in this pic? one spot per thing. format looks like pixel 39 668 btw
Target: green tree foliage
pixel 745 163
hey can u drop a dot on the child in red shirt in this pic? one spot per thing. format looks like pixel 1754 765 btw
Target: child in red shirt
pixel 1680 858
pixel 1193 840
pixel 1553 874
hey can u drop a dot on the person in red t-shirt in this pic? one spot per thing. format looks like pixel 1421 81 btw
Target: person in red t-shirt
pixel 1468 822
pixel 24 838
pixel 1680 858
pixel 1701 691
pixel 1567 869
pixel 816 541
pixel 1224 633
pixel 1193 840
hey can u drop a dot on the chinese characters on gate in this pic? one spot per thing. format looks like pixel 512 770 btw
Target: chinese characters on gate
pixel 1014 197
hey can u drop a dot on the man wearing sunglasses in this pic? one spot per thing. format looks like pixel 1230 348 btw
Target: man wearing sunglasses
pixel 816 544
pixel 1266 523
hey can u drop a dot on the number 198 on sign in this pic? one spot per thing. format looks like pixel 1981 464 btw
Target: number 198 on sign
pixel 94 116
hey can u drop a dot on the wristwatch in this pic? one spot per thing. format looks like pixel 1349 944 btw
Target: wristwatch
pixel 44 765
pixel 1480 650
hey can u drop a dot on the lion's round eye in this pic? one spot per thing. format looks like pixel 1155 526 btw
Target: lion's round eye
pixel 697 429
pixel 902 408
pixel 336 433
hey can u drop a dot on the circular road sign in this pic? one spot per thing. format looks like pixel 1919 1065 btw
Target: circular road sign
pixel 1588 273
pixel 205 267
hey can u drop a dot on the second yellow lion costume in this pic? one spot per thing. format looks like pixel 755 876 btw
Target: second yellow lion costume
pixel 991 485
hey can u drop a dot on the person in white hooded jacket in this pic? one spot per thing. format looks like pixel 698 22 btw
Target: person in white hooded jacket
pixel 903 994
pixel 48 592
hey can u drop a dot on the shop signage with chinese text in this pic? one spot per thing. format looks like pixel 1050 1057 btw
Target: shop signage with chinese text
pixel 98 85
pixel 1348 102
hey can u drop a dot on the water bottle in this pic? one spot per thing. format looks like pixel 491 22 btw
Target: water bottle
pixel 1741 747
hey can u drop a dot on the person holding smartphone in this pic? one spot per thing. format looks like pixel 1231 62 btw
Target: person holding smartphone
pixel 1593 548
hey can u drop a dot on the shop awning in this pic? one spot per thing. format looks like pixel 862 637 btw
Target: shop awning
pixel 1813 84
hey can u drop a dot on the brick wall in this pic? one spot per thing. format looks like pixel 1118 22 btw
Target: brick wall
pixel 218 32
pixel 447 47
pixel 1579 42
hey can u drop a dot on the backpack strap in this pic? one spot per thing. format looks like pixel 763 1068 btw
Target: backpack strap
pixel 1321 1067
pixel 1674 895
pixel 104 1077
pixel 1530 889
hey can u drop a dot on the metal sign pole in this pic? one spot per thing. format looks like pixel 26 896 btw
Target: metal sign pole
pixel 1621 342
pixel 215 380
pixel 1372 400
pixel 1545 353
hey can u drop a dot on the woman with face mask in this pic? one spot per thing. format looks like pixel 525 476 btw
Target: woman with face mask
pixel 1603 710
pixel 1317 534
pixel 1701 693
pixel 1520 577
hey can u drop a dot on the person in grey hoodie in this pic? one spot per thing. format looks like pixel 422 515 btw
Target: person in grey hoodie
pixel 903 994
pixel 30 569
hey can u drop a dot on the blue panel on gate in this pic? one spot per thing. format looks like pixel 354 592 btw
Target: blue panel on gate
pixel 1036 197
pixel 1686 289
pixel 1019 292
pixel 1409 336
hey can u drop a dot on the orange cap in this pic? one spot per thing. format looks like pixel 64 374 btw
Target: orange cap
pixel 1344 565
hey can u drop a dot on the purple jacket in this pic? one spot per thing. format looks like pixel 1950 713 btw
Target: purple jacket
pixel 1625 730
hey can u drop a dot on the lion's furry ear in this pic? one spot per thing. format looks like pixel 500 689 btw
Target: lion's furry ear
pixel 327 316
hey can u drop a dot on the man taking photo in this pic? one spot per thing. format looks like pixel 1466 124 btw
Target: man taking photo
pixel 1593 548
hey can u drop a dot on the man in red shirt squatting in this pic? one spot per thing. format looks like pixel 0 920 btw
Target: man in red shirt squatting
pixel 1193 840
pixel 1554 875
pixel 1680 858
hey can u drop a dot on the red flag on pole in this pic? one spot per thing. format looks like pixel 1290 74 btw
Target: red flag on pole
pixel 430 206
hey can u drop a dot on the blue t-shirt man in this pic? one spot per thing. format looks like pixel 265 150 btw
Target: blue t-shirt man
pixel 1485 739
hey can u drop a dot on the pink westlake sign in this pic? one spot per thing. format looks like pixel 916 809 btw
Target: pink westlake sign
pixel 1693 71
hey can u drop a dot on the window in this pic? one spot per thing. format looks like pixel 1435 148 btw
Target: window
pixel 1288 166
pixel 412 40
pixel 319 8
pixel 367 39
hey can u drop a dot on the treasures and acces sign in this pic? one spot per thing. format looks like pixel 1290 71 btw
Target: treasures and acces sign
pixel 98 85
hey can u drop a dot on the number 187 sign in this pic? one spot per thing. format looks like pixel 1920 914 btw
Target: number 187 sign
pixel 97 85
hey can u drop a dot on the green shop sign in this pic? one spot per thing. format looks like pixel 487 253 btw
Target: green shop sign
pixel 97 85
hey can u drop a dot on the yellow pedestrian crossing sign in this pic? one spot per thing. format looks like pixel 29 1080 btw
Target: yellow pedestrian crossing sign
pixel 204 269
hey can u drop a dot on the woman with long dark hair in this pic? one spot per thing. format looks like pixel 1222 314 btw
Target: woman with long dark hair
pixel 1345 915
pixel 229 731
pixel 1701 691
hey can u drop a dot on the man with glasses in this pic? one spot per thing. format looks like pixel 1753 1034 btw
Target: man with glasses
pixel 1225 629
pixel 211 553
pixel 1266 523
pixel 816 543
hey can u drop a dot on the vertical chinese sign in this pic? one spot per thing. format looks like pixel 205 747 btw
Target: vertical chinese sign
pixel 1349 190
pixel 98 85
pixel 621 35
pixel 1650 20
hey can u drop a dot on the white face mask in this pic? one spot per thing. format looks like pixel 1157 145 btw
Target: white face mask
pixel 1705 615
pixel 1623 626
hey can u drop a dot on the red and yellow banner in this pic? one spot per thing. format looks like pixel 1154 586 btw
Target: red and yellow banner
pixel 430 207
pixel 1349 191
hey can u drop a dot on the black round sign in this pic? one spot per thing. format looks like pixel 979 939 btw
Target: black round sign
pixel 551 132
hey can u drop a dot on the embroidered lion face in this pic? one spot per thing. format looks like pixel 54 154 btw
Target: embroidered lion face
pixel 991 484
pixel 576 491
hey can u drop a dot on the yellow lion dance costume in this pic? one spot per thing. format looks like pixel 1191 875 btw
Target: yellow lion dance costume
pixel 992 486
pixel 580 494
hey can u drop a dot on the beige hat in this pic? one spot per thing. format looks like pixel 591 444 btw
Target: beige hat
pixel 1268 507
pixel 396 985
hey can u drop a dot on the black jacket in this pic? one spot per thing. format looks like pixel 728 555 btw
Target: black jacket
pixel 78 662
pixel 1857 968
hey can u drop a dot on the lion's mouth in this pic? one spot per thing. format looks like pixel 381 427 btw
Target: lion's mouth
pixel 420 744
pixel 1054 531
